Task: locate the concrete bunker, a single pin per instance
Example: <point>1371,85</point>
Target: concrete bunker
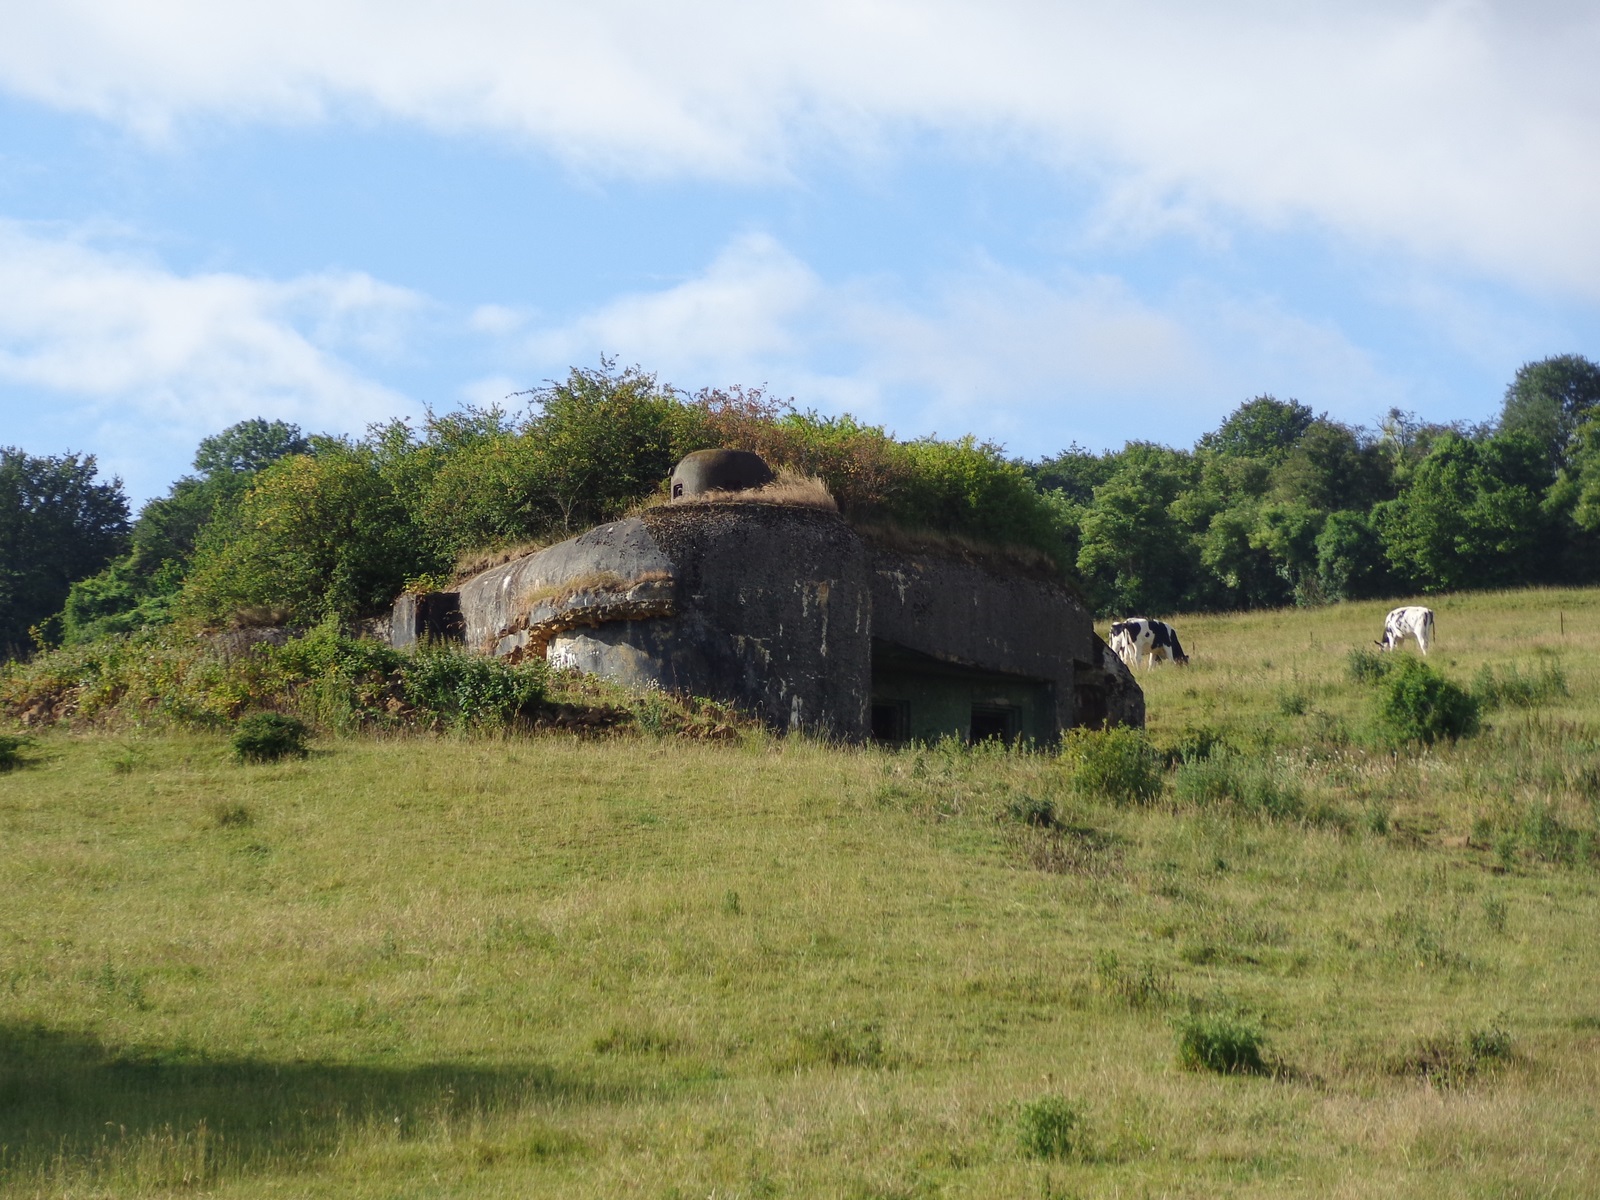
<point>787,612</point>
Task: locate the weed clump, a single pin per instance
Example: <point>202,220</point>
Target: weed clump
<point>839,1044</point>
<point>1246,785</point>
<point>268,736</point>
<point>1509,687</point>
<point>1450,1059</point>
<point>1221,1042</point>
<point>1030,810</point>
<point>1133,986</point>
<point>1116,764</point>
<point>1416,704</point>
<point>1050,1127</point>
<point>11,746</point>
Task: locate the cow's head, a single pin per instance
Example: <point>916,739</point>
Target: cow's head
<point>1118,627</point>
<point>1181,659</point>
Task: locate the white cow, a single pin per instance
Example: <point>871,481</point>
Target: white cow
<point>1140,636</point>
<point>1410,621</point>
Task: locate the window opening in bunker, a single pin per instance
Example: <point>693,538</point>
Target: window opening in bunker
<point>890,722</point>
<point>677,490</point>
<point>993,721</point>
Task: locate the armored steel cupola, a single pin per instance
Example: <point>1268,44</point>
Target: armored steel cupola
<point>719,471</point>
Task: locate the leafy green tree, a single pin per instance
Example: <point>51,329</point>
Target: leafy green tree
<point>316,535</point>
<point>1351,564</point>
<point>1471,516</point>
<point>1332,467</point>
<point>969,487</point>
<point>141,588</point>
<point>248,447</point>
<point>1075,472</point>
<point>1549,399</point>
<point>1134,555</point>
<point>1261,428</point>
<point>605,438</point>
<point>58,524</point>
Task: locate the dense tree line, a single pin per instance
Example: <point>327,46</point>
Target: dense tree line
<point>1278,505</point>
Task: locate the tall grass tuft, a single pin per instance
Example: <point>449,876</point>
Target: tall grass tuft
<point>1222,1042</point>
<point>1508,687</point>
<point>1247,785</point>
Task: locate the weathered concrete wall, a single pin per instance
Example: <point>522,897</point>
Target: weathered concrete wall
<point>617,565</point>
<point>776,608</point>
<point>763,605</point>
<point>971,614</point>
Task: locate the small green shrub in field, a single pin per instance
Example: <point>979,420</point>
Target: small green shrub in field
<point>1416,704</point>
<point>1221,1042</point>
<point>1509,687</point>
<point>470,689</point>
<point>1116,764</point>
<point>1232,781</point>
<point>267,737</point>
<point>1050,1127</point>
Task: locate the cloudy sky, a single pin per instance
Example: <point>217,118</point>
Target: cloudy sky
<point>1039,222</point>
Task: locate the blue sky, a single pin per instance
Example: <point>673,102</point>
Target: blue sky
<point>1040,223</point>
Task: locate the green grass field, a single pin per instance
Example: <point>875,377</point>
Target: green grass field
<point>548,967</point>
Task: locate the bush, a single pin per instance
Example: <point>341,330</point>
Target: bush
<point>469,689</point>
<point>1116,764</point>
<point>268,736</point>
<point>1221,1042</point>
<point>1230,780</point>
<point>1417,704</point>
<point>1050,1127</point>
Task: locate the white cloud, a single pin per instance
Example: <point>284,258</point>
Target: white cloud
<point>1466,129</point>
<point>1030,361</point>
<point>148,358</point>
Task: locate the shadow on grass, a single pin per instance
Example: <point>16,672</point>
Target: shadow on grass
<point>72,1108</point>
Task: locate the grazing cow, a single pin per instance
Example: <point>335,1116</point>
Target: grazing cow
<point>1411,621</point>
<point>1140,636</point>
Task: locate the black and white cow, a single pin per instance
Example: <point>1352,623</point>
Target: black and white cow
<point>1140,636</point>
<point>1410,621</point>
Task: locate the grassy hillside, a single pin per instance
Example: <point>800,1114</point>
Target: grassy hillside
<point>433,967</point>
